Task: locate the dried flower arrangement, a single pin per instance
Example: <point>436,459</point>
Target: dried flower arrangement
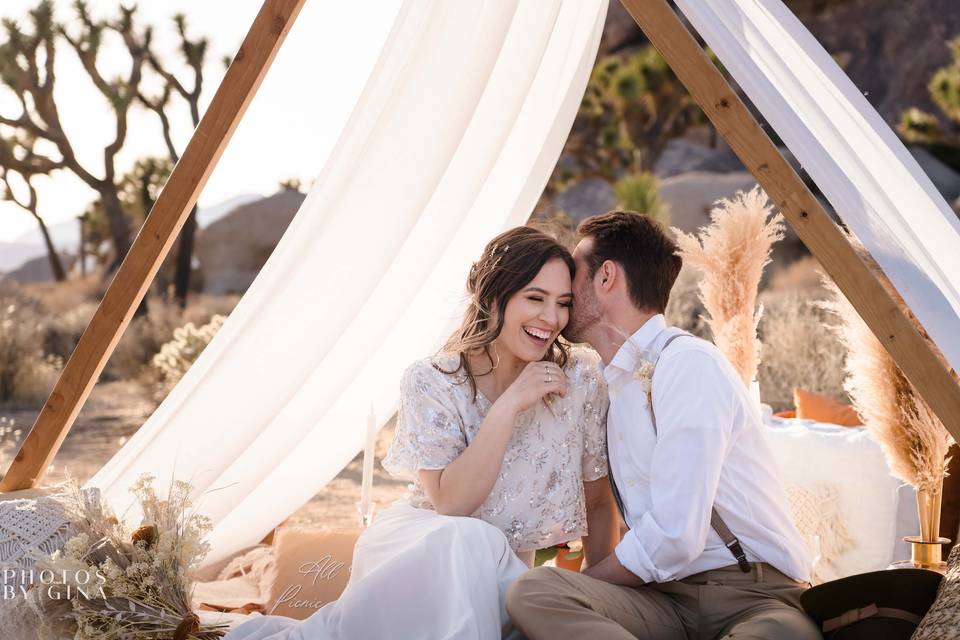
<point>732,252</point>
<point>141,589</point>
<point>913,439</point>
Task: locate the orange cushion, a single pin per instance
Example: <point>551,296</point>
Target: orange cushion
<point>786,414</point>
<point>815,406</point>
<point>311,569</point>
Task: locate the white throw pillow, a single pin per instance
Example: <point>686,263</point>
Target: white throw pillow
<point>846,459</point>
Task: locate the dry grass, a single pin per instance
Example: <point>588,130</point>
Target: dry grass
<point>913,439</point>
<point>732,252</point>
<point>147,334</point>
<point>799,342</point>
<point>27,371</point>
<point>46,321</point>
<point>800,347</point>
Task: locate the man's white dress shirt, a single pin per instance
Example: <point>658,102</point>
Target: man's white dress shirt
<point>708,450</point>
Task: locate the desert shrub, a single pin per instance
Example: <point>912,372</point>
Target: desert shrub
<point>640,192</point>
<point>800,347</point>
<point>176,356</point>
<point>27,372</point>
<point>65,296</point>
<point>146,335</point>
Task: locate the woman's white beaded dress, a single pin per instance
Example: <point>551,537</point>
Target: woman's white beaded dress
<point>419,574</point>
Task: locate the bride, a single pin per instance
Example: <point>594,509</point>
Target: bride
<point>502,435</point>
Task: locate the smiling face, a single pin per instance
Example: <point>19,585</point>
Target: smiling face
<point>535,315</point>
<point>586,311</point>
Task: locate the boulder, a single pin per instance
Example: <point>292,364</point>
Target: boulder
<point>586,198</point>
<point>232,250</point>
<point>691,195</point>
<point>945,179</point>
<point>681,155</point>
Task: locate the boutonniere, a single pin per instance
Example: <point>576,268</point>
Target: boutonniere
<point>644,375</point>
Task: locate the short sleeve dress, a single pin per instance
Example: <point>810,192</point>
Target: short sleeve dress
<point>537,500</point>
<point>427,575</point>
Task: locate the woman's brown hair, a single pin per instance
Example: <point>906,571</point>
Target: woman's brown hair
<point>509,262</point>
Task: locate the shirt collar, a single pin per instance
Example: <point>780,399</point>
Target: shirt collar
<point>630,351</point>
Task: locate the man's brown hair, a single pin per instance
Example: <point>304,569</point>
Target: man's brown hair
<point>639,245</point>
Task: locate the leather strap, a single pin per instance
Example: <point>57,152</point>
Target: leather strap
<point>848,618</point>
<point>726,535</point>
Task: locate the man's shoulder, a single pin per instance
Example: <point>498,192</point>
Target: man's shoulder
<point>688,352</point>
<point>687,343</point>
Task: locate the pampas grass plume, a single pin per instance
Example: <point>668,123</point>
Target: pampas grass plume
<point>732,252</point>
<point>913,439</point>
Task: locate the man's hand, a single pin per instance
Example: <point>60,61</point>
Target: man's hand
<point>610,570</point>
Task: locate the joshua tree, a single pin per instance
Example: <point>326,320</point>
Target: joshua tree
<point>940,132</point>
<point>632,107</point>
<point>137,190</point>
<point>193,52</point>
<point>18,163</point>
<point>27,62</point>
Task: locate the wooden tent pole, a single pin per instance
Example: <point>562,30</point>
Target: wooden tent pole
<point>152,244</point>
<point>813,225</point>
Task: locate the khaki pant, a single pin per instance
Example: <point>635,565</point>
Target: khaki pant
<point>551,604</point>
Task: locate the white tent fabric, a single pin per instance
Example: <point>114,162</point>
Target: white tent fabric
<point>452,141</point>
<point>859,164</point>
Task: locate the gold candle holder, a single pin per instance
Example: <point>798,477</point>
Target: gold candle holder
<point>366,512</point>
<point>926,550</point>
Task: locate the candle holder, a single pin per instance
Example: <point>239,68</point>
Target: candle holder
<point>366,512</point>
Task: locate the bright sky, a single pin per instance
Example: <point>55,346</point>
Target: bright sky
<point>287,131</point>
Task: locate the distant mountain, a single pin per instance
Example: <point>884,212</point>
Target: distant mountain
<point>207,215</point>
<point>66,235</point>
<point>38,269</point>
<point>14,254</point>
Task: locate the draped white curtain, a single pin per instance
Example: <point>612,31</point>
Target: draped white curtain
<point>859,164</point>
<point>452,141</point>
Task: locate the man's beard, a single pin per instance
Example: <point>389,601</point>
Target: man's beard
<point>586,313</point>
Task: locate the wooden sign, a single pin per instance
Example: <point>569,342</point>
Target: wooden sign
<point>311,569</point>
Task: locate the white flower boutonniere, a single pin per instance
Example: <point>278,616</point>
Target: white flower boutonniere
<point>644,375</point>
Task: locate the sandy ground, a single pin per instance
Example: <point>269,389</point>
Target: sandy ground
<point>114,412</point>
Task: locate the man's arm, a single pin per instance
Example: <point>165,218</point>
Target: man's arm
<point>603,521</point>
<point>693,395</point>
<point>610,570</point>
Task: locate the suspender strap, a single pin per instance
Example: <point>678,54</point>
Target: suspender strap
<point>726,535</point>
<point>730,540</point>
<point>613,483</point>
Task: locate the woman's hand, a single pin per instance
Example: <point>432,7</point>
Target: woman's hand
<point>537,380</point>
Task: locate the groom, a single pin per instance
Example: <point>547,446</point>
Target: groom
<point>711,550</point>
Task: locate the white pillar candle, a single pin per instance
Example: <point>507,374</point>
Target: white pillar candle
<point>369,451</point>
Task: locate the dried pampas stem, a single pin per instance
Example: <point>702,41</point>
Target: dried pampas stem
<point>913,439</point>
<point>732,252</point>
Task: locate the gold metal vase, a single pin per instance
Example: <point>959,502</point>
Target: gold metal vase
<point>926,550</point>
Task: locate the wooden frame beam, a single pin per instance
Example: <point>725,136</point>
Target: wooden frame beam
<point>152,244</point>
<point>813,225</point>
